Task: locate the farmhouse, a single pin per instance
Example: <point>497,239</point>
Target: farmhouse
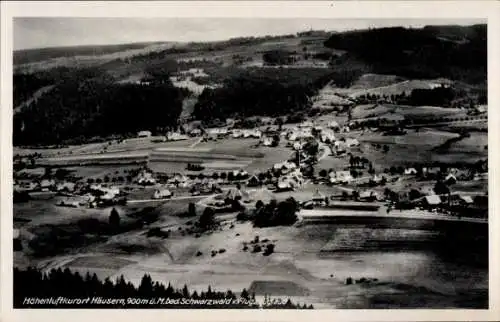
<point>411,171</point>
<point>253,181</point>
<point>327,136</point>
<point>161,194</point>
<point>175,136</point>
<point>145,178</point>
<point>340,177</point>
<point>351,142</point>
<point>66,186</point>
<point>218,132</point>
<point>195,132</point>
<point>267,141</point>
<point>46,184</point>
<point>377,178</point>
<point>298,145</point>
<point>431,201</point>
<point>340,146</point>
<point>480,109</point>
<point>285,167</point>
<point>450,179</point>
<point>144,134</point>
<point>334,125</point>
<point>369,195</point>
<point>306,124</point>
<point>318,197</point>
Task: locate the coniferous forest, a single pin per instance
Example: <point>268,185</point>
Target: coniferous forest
<point>65,287</point>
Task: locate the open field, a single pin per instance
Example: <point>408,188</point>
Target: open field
<point>298,259</point>
<point>392,88</point>
<point>408,112</point>
<point>367,81</point>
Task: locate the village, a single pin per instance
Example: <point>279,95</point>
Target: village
<point>420,186</point>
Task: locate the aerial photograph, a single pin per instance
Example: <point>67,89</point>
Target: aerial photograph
<point>236,163</point>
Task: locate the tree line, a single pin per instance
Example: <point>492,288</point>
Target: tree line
<point>79,110</point>
<point>418,53</point>
<point>34,283</point>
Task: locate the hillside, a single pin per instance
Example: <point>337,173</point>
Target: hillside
<point>25,56</point>
<point>241,77</point>
<point>459,53</point>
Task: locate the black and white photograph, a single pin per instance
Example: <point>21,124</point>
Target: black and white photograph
<point>249,163</point>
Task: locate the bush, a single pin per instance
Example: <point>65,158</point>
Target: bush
<point>114,218</point>
<point>222,250</point>
<point>269,250</point>
<point>198,253</point>
<point>257,249</point>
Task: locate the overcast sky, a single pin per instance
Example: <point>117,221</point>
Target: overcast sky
<point>51,32</point>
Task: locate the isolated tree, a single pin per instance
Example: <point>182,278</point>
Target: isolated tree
<point>114,218</point>
<point>146,286</point>
<point>259,204</point>
<point>414,194</point>
<point>440,188</point>
<point>323,173</point>
<point>207,218</point>
<point>192,209</point>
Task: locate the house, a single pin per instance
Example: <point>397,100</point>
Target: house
<point>306,124</point>
<point>369,195</point>
<point>267,141</point>
<point>174,136</point>
<point>327,136</point>
<point>457,200</point>
<point>178,178</point>
<point>46,184</point>
<point>334,125</point>
<point>298,145</point>
<point>431,172</point>
<point>480,109</point>
<point>318,196</point>
<point>145,178</point>
<point>66,186</point>
<point>431,201</point>
<point>144,134</point>
<point>340,177</point>
<point>340,146</point>
<point>195,132</point>
<point>411,171</point>
<point>285,167</point>
<point>162,194</point>
<point>263,195</point>
<point>351,142</point>
<point>480,176</point>
<point>236,134</point>
<point>234,194</point>
<point>217,132</point>
<point>253,181</point>
<point>450,179</point>
<point>230,122</point>
<point>377,178</point>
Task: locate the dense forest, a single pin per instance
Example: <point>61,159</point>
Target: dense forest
<point>33,55</point>
<point>419,53</point>
<point>84,109</point>
<point>33,283</point>
<point>269,92</point>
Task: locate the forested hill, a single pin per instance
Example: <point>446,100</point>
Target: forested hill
<point>38,54</point>
<point>435,51</point>
<point>243,77</point>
